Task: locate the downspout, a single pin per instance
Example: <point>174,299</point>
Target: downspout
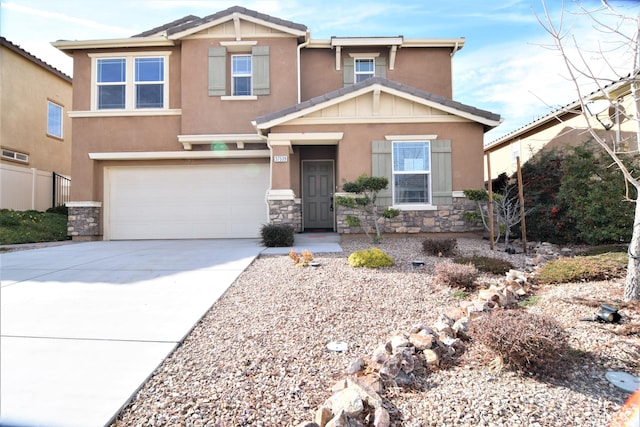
<point>453,52</point>
<point>306,42</point>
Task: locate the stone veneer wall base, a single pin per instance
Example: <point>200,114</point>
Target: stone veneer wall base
<point>446,219</point>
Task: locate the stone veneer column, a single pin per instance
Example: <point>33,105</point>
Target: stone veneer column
<point>83,221</point>
<point>285,209</point>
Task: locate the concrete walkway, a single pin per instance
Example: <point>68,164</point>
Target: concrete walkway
<point>84,325</point>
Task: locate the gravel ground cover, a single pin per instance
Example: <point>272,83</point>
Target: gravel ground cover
<point>259,356</point>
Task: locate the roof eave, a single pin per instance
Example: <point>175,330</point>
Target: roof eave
<point>71,45</point>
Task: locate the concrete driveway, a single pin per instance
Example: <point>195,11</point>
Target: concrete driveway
<point>84,325</point>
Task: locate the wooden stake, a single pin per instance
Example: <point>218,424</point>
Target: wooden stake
<point>523,224</point>
<point>490,201</point>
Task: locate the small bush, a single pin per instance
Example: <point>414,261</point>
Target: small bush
<point>583,268</point>
<point>456,275</point>
<point>530,343</point>
<point>440,247</point>
<point>60,209</point>
<point>277,235</point>
<point>370,258</point>
<point>486,264</point>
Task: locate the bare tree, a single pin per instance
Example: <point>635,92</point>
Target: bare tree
<point>577,59</point>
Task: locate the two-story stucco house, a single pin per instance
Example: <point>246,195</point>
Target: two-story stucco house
<point>211,127</point>
<point>35,131</point>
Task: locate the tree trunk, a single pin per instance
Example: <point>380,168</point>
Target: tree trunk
<point>632,282</point>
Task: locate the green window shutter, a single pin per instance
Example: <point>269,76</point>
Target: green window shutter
<point>381,166</point>
<point>217,71</point>
<point>381,67</point>
<point>260,65</point>
<point>441,173</point>
<point>348,71</point>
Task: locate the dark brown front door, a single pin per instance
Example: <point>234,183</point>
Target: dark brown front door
<point>317,194</point>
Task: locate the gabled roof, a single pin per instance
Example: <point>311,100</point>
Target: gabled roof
<point>488,119</point>
<point>17,49</point>
<point>192,22</point>
<point>611,90</point>
<point>167,34</point>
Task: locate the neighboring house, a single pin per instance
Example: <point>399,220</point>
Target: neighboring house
<point>567,126</point>
<point>35,132</point>
<point>211,127</point>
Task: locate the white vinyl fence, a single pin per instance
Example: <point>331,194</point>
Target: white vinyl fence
<point>24,188</point>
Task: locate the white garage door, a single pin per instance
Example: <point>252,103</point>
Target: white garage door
<point>185,202</point>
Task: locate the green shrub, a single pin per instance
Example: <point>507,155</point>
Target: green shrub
<point>370,258</point>
<point>583,268</point>
<point>440,246</point>
<point>277,235</point>
<point>530,343</point>
<point>595,197</point>
<point>486,264</point>
<point>31,226</point>
<point>60,210</point>
<point>456,275</point>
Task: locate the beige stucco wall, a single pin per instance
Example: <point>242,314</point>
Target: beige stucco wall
<point>25,89</point>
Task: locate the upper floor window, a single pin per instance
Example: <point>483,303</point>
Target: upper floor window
<point>130,82</point>
<point>364,69</point>
<point>54,119</point>
<point>358,67</point>
<point>411,172</point>
<point>241,73</point>
<point>249,67</point>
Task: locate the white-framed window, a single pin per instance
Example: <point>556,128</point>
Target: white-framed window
<point>54,119</point>
<point>15,155</point>
<point>364,68</point>
<point>132,81</point>
<point>411,172</point>
<point>241,73</point>
<point>515,151</point>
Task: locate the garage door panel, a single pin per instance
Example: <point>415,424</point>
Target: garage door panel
<point>186,202</point>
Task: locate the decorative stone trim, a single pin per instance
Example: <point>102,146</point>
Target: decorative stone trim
<point>444,219</point>
<point>286,212</point>
<point>83,221</point>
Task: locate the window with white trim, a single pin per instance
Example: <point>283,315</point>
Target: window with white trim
<point>411,172</point>
<point>515,152</point>
<point>241,73</point>
<point>364,68</point>
<point>15,155</point>
<point>54,119</point>
<point>130,82</point>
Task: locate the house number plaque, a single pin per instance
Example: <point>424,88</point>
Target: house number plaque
<point>280,159</point>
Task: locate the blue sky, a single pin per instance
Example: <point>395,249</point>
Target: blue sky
<point>504,66</point>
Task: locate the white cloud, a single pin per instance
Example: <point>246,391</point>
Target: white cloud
<point>522,81</point>
<point>60,17</point>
